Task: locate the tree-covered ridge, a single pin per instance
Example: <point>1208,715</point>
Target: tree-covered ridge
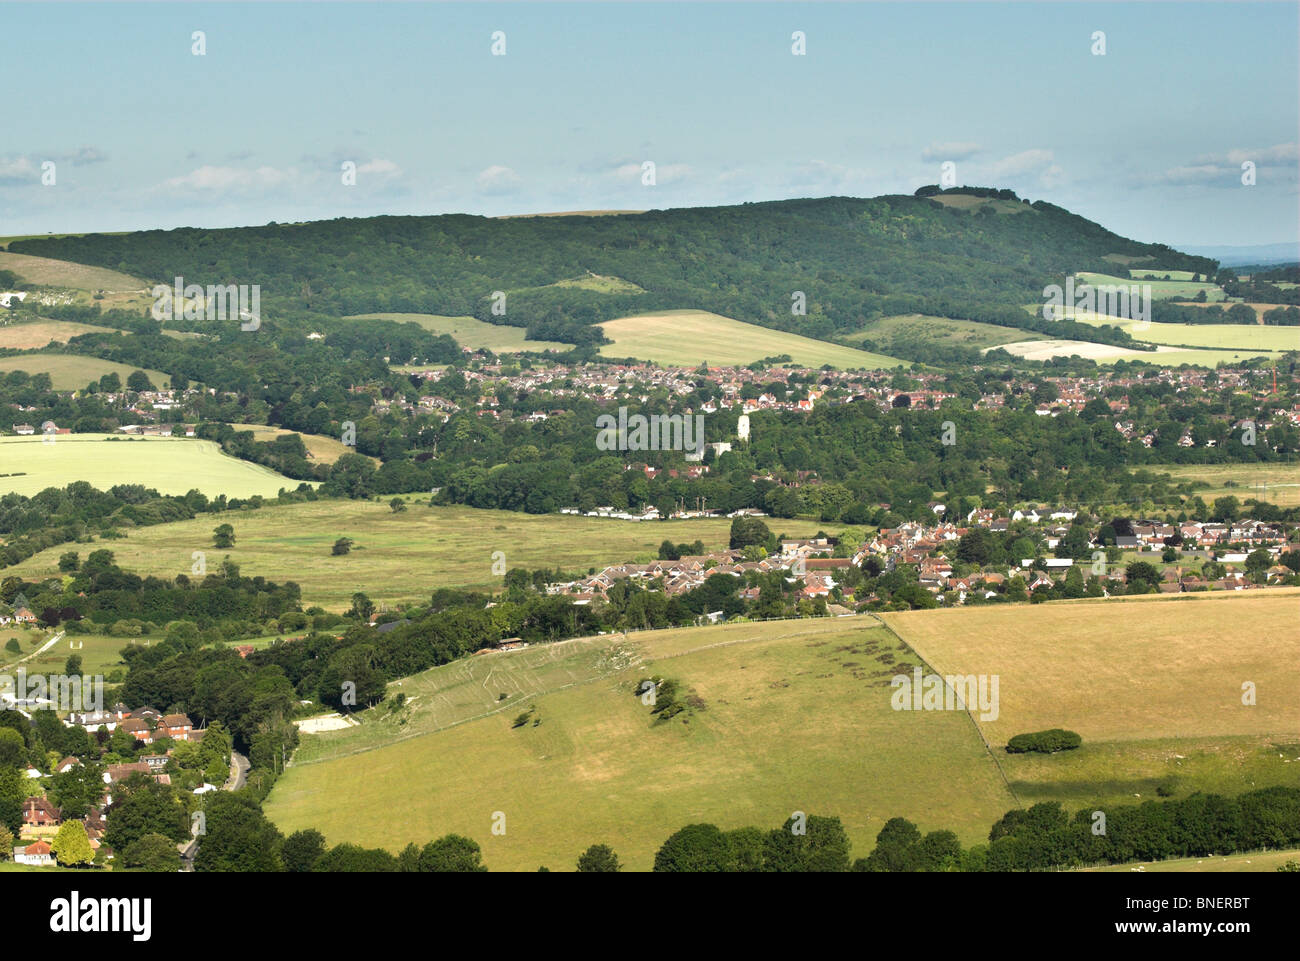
<point>855,259</point>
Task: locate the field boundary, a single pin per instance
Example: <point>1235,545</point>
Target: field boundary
<point>966,710</point>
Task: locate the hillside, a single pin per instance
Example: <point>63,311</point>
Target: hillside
<point>852,259</point>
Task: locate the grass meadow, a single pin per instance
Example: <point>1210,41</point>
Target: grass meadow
<point>397,557</point>
<point>171,465</point>
<point>789,716</point>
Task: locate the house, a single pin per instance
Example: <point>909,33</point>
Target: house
<point>38,854</point>
<point>139,729</point>
<point>38,812</point>
<point>175,726</point>
<point>67,764</point>
<point>155,762</point>
<point>24,616</point>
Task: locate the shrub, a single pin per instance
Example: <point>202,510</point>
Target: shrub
<point>1044,742</point>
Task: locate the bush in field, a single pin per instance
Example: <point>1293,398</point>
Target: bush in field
<point>1044,742</point>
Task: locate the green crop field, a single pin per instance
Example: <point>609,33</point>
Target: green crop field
<point>688,338</point>
<point>73,371</point>
<point>934,330</point>
<point>398,557</point>
<point>171,465</point>
<point>1160,289</point>
<point>473,333</point>
<point>789,716</point>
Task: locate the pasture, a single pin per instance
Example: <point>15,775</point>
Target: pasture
<point>934,330</point>
<point>789,716</point>
<point>73,371</point>
<point>688,338</point>
<point>396,557</point>
<point>1218,864</point>
<point>171,465</point>
<point>1276,483</point>
<point>324,450</point>
<point>1160,289</point>
<point>472,333</point>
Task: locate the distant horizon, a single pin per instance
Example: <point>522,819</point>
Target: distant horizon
<point>1191,248</point>
<point>1147,138</point>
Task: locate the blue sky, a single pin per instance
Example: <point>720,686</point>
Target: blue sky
<point>1148,139</point>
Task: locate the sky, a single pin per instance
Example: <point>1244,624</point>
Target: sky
<point>1148,139</point>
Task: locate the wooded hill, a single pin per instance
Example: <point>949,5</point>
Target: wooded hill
<point>854,259</point>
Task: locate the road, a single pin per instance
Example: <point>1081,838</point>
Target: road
<point>238,772</point>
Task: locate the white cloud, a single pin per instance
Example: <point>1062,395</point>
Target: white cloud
<point>210,177</point>
<point>950,151</point>
<point>16,170</point>
<point>1026,162</point>
<point>379,167</point>
<point>497,179</point>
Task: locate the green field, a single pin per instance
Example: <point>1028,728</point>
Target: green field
<point>791,716</point>
<point>935,330</point>
<point>1276,483</point>
<point>73,371</point>
<point>1137,273</point>
<point>472,333</point>
<point>1233,863</point>
<point>171,465</point>
<point>1252,338</point>
<point>1160,289</point>
<point>600,284</point>
<point>397,557</point>
<point>687,338</point>
<point>1103,354</point>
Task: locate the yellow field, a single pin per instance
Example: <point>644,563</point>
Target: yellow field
<point>44,332</point>
<point>64,273</point>
<point>73,371</point>
<point>688,338</point>
<point>1140,668</point>
<point>1107,354</point>
<point>472,333</point>
<point>324,450</point>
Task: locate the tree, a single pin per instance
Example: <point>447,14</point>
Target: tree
<point>696,847</point>
<point>822,846</point>
<point>69,562</point>
<point>599,858</point>
<point>239,837</point>
<point>342,546</point>
<point>72,666</point>
<point>397,504</point>
<point>452,853</point>
<point>71,846</point>
<point>142,806</point>
<point>302,849</point>
<point>6,843</point>
<point>362,606</point>
<point>13,750</point>
<point>153,852</point>
<point>223,536</point>
<point>138,381</point>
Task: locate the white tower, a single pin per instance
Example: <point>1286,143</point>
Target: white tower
<point>742,427</point>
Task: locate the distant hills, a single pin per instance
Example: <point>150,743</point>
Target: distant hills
<point>1253,254</point>
<point>821,268</point>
